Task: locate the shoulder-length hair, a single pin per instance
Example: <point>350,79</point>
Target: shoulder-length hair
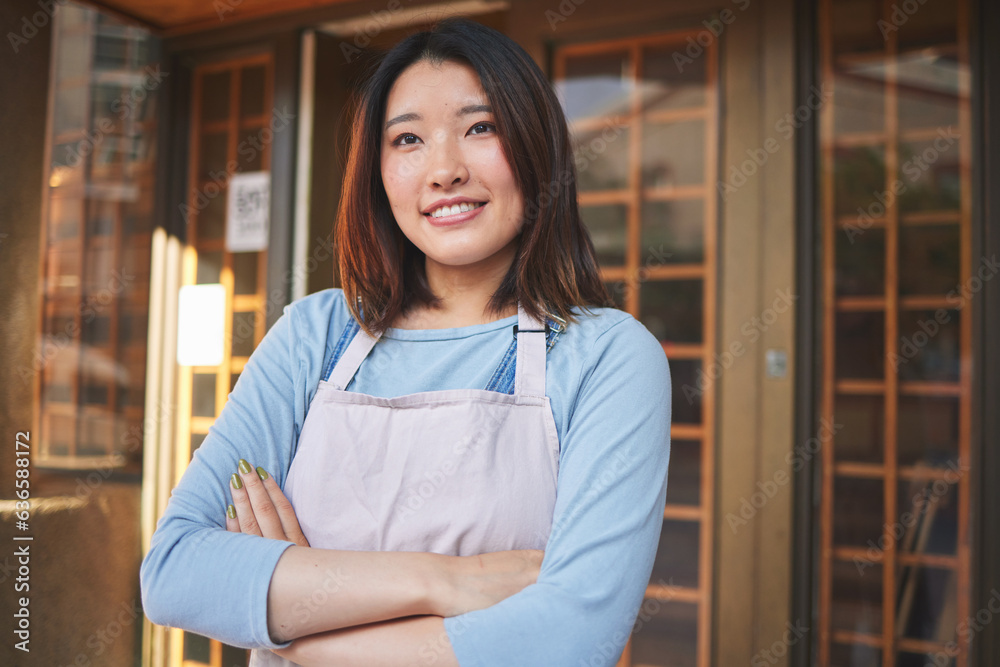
<point>554,268</point>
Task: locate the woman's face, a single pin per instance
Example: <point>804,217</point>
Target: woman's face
<point>450,187</point>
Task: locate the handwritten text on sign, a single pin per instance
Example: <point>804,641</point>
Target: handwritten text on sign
<point>247,212</point>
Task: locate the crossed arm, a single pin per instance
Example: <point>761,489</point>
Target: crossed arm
<point>366,608</point>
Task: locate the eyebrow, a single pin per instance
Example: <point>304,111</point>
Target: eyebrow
<point>464,111</point>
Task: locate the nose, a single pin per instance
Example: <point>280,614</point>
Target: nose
<point>446,166</point>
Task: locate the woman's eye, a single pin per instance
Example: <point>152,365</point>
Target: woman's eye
<point>405,140</point>
<point>481,128</point>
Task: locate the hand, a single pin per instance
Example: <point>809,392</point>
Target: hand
<point>477,582</point>
<point>260,508</point>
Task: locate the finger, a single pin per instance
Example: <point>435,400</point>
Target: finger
<point>286,514</point>
<point>241,502</point>
<point>232,523</point>
<point>264,512</point>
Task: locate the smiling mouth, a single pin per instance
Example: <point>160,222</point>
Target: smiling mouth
<point>464,207</point>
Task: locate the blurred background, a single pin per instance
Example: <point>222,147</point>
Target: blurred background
<point>797,199</point>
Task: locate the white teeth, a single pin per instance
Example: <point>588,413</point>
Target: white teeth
<point>453,210</point>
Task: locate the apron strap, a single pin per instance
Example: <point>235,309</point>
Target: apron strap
<point>529,369</point>
<point>349,363</point>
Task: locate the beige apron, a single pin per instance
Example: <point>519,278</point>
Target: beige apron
<point>457,472</point>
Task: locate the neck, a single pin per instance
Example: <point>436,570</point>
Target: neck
<point>465,292</point>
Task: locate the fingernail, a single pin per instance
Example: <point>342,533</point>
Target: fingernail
<point>237,482</point>
<point>244,466</point>
<point>231,512</point>
<point>262,473</point>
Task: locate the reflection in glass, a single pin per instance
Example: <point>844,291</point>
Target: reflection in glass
<point>929,260</point>
<point>861,435</point>
<point>684,476</point>
<point>928,513</point>
<point>860,258</point>
<point>860,352</point>
<point>857,511</point>
<point>673,232</point>
<point>673,154</point>
<point>857,597</point>
<point>928,430</point>
<point>929,96</point>
<point>666,85</point>
<point>688,386</point>
<point>672,310</point>
<point>665,634</point>
<point>859,105</point>
<point>595,85</point>
<point>606,225</point>
<point>929,345</point>
<point>677,562</point>
<point>859,181</point>
<point>930,172</point>
<point>924,594</point>
<point>602,159</point>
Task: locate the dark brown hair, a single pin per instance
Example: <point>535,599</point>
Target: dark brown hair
<point>555,267</point>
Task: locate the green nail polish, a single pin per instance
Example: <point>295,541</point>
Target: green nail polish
<point>244,466</point>
<point>237,482</point>
<point>261,473</point>
<point>231,511</point>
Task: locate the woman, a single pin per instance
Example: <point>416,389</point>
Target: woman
<point>415,502</point>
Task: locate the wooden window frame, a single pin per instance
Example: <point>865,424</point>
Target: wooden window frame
<point>633,195</point>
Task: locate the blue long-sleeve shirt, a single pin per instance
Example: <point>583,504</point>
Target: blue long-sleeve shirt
<point>608,384</point>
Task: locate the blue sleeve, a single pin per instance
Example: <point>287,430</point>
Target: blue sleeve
<point>196,575</point>
<point>610,494</point>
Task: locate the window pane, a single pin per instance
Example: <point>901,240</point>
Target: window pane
<point>669,83</point>
<point>677,557</point>
<point>665,634</point>
<point>860,345</point>
<point>597,85</point>
<point>673,232</point>
<point>606,225</point>
<point>673,154</point>
<point>672,310</point>
<point>684,484</point>
<point>861,435</point>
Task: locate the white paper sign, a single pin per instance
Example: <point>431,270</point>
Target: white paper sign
<point>247,211</point>
<point>201,325</point>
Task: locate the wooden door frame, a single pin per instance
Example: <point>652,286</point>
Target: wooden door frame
<point>179,59</point>
<point>985,104</point>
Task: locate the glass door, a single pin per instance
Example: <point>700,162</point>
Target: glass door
<point>898,281</point>
<point>231,132</point>
<point>644,127</point>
